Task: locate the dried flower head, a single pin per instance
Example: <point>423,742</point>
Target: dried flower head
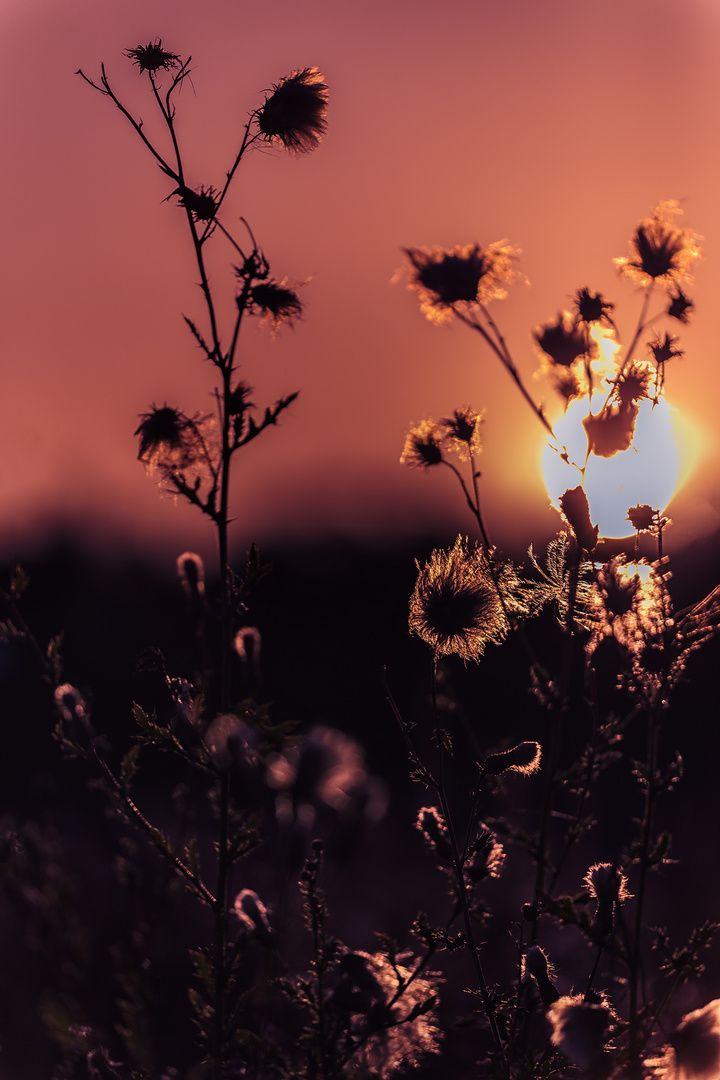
<point>450,281</point>
<point>580,1030</point>
<point>642,517</point>
<point>629,601</point>
<point>635,383</point>
<point>275,303</point>
<point>563,340</point>
<point>680,307</point>
<point>593,307</point>
<point>326,769</point>
<point>170,441</point>
<point>455,606</point>
<point>462,432</point>
<point>423,445</point>
<point>153,57</point>
<point>660,252</point>
<point>295,113</point>
<point>663,349</point>
<point>570,383</point>
<point>693,1052</point>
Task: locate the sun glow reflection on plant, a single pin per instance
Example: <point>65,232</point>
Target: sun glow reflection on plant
<point>646,473</point>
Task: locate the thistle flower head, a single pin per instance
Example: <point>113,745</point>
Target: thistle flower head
<point>693,1052</point>
<point>663,349</point>
<point>455,606</point>
<point>326,768</point>
<point>563,340</point>
<point>295,113</point>
<point>634,383</point>
<point>680,307</point>
<point>660,252</point>
<point>423,445</point>
<point>275,303</point>
<point>153,57</point>
<point>580,1029</point>
<point>450,281</point>
<point>202,204</point>
<point>170,441</point>
<point>462,432</point>
<point>593,307</point>
<point>642,517</point>
<point>631,603</point>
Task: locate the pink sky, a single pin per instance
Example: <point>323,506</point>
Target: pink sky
<point>554,124</point>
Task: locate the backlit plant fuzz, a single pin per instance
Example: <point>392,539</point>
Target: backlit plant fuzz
<point>454,281</point>
<point>462,432</point>
<point>170,441</point>
<point>295,113</point>
<point>275,303</point>
<point>455,606</point>
<point>660,252</point>
<point>423,445</point>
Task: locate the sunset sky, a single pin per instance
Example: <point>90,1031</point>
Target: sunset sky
<point>553,123</point>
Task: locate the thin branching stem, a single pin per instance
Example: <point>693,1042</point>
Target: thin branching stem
<point>458,866</point>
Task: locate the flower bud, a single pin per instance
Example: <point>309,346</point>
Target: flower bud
<point>608,886</point>
<point>253,915</point>
<point>535,964</point>
<point>523,758</point>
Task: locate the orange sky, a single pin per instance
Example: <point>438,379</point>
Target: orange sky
<point>556,124</point>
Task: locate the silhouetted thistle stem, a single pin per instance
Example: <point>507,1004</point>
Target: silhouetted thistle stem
<point>503,355</point>
<point>646,830</point>
<point>558,711</point>
<point>458,867</point>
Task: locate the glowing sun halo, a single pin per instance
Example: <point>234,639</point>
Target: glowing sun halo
<point>645,473</point>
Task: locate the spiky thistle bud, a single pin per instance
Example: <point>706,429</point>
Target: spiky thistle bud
<point>523,758</point>
<point>535,965</point>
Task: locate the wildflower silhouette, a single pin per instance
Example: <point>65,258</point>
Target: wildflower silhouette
<point>192,454</point>
<point>295,113</point>
<point>660,252</point>
<point>455,607</point>
<point>618,614</point>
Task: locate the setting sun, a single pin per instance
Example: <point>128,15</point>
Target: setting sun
<point>646,472</point>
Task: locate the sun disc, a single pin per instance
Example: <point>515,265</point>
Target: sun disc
<point>645,473</point>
